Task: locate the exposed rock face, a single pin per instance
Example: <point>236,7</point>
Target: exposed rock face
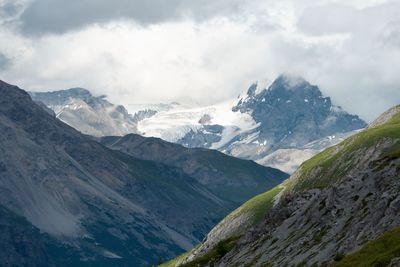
<point>229,178</point>
<point>335,203</point>
<point>89,114</point>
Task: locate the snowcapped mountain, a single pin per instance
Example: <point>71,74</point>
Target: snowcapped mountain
<point>90,114</point>
<point>279,126</point>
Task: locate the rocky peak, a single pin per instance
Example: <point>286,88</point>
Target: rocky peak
<point>252,89</point>
<point>293,112</point>
<point>290,81</point>
<point>62,96</point>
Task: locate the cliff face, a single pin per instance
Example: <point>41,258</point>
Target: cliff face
<point>331,207</point>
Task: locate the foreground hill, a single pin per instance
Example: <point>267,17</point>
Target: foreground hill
<point>67,200</point>
<point>341,207</point>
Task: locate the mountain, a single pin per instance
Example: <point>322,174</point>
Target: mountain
<point>279,126</point>
<point>292,113</point>
<point>67,200</point>
<point>229,178</point>
<point>340,208</point>
<point>92,115</point>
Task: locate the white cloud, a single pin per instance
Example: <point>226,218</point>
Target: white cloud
<point>350,48</point>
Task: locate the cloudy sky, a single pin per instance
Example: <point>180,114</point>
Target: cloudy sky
<point>201,52</point>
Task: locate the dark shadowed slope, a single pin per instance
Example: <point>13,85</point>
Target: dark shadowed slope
<point>230,178</point>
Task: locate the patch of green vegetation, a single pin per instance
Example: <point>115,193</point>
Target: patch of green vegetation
<point>258,206</point>
<point>326,169</point>
<point>176,261</point>
<point>378,252</point>
<point>339,256</point>
<point>220,250</point>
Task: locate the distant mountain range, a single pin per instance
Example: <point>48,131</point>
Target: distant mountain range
<point>279,126</point>
<point>68,200</point>
<point>340,208</point>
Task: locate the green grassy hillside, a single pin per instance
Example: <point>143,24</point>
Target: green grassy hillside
<point>325,168</point>
<point>378,252</point>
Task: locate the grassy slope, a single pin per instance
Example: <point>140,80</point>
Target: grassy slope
<point>174,262</point>
<point>378,252</point>
<point>222,248</point>
<point>321,164</point>
<point>257,207</point>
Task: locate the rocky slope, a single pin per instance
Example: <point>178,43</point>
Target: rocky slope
<point>324,214</point>
<point>84,204</point>
<point>89,114</point>
<point>21,244</point>
<point>230,178</point>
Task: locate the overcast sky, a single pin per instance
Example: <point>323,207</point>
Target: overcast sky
<point>204,51</point>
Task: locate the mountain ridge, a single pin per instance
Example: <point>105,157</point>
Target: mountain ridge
<point>244,179</point>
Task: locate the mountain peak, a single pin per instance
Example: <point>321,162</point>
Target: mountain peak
<point>252,89</point>
<point>294,84</point>
<point>290,80</point>
<point>293,112</point>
